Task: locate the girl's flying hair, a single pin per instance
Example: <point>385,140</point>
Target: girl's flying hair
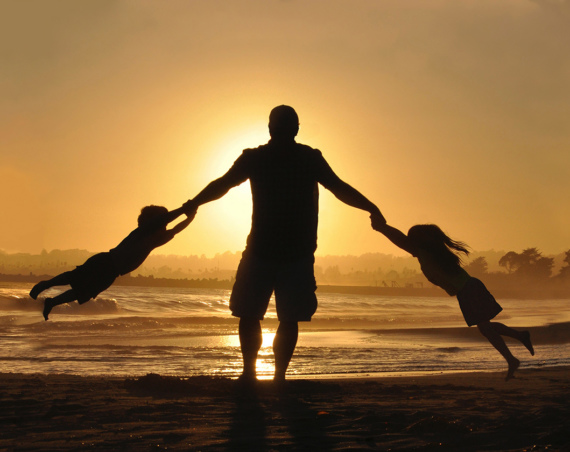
<point>432,239</point>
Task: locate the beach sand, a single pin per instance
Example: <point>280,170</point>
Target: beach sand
<point>472,411</point>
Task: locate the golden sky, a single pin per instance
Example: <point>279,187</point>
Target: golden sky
<point>442,111</point>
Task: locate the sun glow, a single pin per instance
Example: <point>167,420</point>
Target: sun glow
<point>224,152</point>
<point>229,219</point>
<point>268,338</point>
<point>266,359</point>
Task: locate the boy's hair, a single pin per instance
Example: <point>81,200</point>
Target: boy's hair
<point>432,239</point>
<point>149,214</point>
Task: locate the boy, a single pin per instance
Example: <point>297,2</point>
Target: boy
<point>100,270</point>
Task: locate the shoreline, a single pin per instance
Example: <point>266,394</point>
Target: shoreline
<point>468,411</point>
<point>518,292</point>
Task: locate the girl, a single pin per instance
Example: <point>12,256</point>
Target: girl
<point>439,260</point>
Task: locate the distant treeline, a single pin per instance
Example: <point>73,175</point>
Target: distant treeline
<point>527,274</point>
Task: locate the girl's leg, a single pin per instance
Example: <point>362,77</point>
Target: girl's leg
<point>65,297</point>
<point>488,330</point>
<point>522,336</point>
<point>59,280</point>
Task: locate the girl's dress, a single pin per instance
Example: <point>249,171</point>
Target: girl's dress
<point>476,302</point>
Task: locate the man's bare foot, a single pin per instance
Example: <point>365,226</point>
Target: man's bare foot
<point>526,342</point>
<point>37,289</point>
<point>280,384</point>
<point>247,379</point>
<point>513,366</point>
<point>48,306</point>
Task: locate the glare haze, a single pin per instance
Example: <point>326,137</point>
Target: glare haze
<point>441,111</point>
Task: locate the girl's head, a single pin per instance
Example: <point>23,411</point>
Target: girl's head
<point>432,239</point>
<point>150,215</point>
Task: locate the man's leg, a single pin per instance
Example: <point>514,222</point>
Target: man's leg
<point>284,346</point>
<point>250,339</point>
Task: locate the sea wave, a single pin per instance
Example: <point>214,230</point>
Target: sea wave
<point>27,304</point>
<point>554,333</point>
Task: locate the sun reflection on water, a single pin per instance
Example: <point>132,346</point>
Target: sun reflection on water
<point>265,360</point>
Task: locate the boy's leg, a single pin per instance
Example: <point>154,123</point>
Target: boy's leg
<point>488,330</point>
<point>522,336</point>
<point>250,339</point>
<point>59,280</point>
<point>65,297</point>
<point>283,347</point>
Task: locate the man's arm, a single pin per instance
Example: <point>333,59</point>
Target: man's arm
<point>346,193</point>
<point>351,196</point>
<point>215,190</point>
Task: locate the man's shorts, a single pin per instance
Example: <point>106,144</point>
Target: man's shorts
<point>292,281</point>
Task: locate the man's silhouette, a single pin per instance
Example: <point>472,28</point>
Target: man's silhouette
<point>279,256</point>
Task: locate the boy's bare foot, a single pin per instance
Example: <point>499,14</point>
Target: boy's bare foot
<point>36,290</point>
<point>513,366</point>
<point>48,306</point>
<point>527,343</point>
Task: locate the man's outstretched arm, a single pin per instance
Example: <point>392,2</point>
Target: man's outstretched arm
<point>350,195</point>
<point>214,190</point>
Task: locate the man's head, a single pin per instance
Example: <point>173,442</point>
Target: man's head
<point>283,122</point>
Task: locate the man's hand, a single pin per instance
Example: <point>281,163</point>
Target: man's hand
<point>378,221</point>
<point>190,208</point>
<point>190,215</point>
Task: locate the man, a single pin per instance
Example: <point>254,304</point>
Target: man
<point>279,256</point>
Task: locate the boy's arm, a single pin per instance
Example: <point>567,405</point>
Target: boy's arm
<point>181,226</point>
<point>168,235</point>
<point>396,236</point>
<point>174,214</point>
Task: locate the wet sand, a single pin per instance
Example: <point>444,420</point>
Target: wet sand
<point>471,411</point>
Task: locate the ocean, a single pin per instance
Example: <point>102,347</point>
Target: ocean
<point>134,331</point>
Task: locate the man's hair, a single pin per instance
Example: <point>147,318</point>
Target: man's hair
<point>283,122</point>
<point>149,214</point>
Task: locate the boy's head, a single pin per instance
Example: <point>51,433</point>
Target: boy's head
<point>149,214</point>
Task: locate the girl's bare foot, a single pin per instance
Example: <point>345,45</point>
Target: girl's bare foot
<point>526,342</point>
<point>513,366</point>
<point>48,306</point>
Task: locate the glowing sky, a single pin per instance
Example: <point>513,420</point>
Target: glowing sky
<point>445,111</point>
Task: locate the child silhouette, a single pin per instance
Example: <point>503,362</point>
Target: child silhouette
<point>439,260</point>
<point>100,270</point>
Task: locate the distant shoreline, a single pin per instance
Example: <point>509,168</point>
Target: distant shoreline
<point>533,292</point>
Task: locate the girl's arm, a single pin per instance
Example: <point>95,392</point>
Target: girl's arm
<point>396,236</point>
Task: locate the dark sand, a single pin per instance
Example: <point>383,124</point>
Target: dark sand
<point>463,412</point>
